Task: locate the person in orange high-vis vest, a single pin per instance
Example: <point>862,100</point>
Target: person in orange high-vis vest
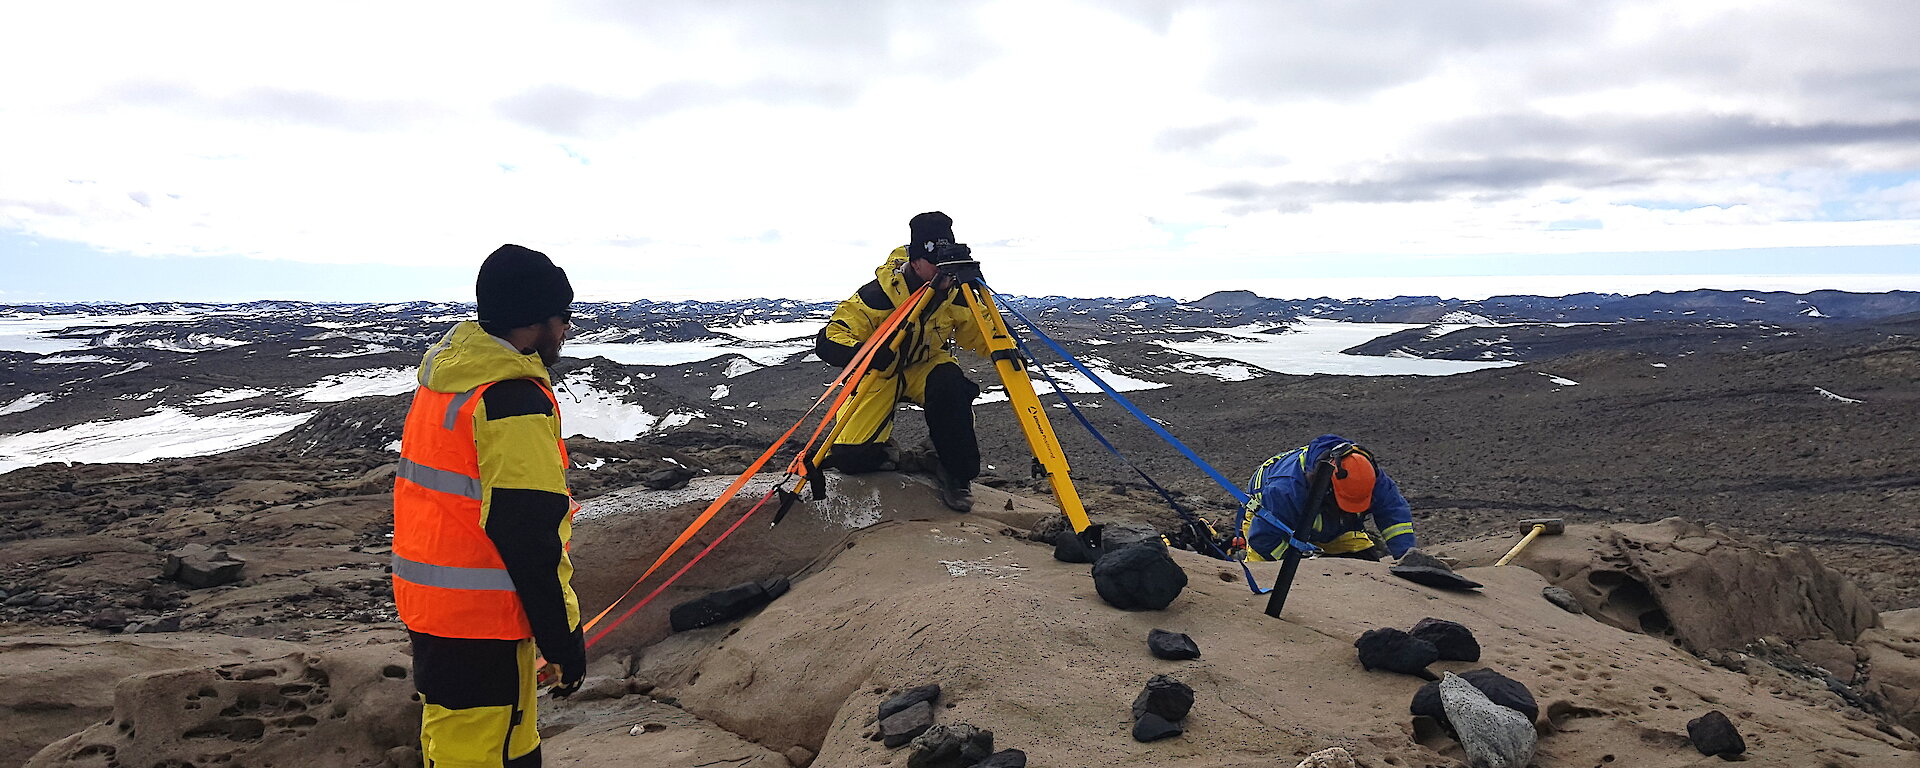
<point>481,520</point>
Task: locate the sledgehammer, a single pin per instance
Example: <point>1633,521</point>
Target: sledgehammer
<point>1551,526</point>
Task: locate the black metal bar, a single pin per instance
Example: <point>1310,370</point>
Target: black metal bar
<point>1282,584</point>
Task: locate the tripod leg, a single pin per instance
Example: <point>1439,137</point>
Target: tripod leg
<point>1282,584</point>
<point>1027,408</point>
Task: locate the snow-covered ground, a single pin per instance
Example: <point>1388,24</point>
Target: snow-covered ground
<point>362,383</point>
<point>678,352</point>
<point>587,411</point>
<point>1314,347</point>
<point>166,433</point>
<point>781,331</point>
<point>30,332</point>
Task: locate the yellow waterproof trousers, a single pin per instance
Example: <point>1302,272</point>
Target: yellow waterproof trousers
<point>480,702</point>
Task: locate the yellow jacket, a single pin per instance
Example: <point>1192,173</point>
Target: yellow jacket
<point>925,337</point>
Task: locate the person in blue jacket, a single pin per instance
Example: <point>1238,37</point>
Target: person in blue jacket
<point>1324,492</point>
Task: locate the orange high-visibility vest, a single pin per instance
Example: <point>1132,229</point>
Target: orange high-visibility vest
<point>448,578</point>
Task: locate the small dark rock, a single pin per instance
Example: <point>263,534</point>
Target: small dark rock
<point>1415,558</point>
<point>168,624</point>
<point>199,566</point>
<point>1006,758</point>
<point>111,619</point>
<point>1164,696</point>
<point>1047,528</point>
<point>1152,727</point>
<point>720,607</point>
<point>1070,547</point>
<point>1139,577</point>
<point>907,698</point>
<point>24,598</point>
<point>1713,734</point>
<point>667,479</point>
<point>45,601</point>
<point>1172,646</point>
<point>1502,690</point>
<point>1454,641</point>
<point>1115,536</point>
<point>1396,651</point>
<point>776,586</point>
<point>951,746</point>
<point>1564,599</point>
<point>1444,578</point>
<point>906,724</point>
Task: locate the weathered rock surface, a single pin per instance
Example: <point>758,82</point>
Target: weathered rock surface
<point>951,746</point>
<point>1331,757</point>
<point>1498,688</point>
<point>1493,736</point>
<point>905,725</point>
<point>929,693</point>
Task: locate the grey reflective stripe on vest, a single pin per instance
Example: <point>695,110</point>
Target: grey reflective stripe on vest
<point>453,408</point>
<point>452,577</point>
<point>439,479</point>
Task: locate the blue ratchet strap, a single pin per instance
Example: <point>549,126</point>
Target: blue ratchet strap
<point>1178,508</point>
<point>1232,490</point>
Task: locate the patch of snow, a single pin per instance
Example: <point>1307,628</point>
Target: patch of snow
<point>1463,317</point>
<point>679,352</point>
<point>75,360</point>
<point>34,333</point>
<point>591,465</point>
<point>1659,365</point>
<point>370,349</point>
<point>1314,347</point>
<point>393,447</point>
<point>370,382</point>
<point>680,419</point>
<point>128,369</point>
<point>196,342</point>
<point>227,396</point>
<point>739,366</point>
<point>1812,311</point>
<point>26,403</point>
<point>167,433</point>
<point>1834,397</point>
<point>1752,300</point>
<point>1564,382</point>
<point>1218,370</point>
<point>782,331</point>
<point>600,414</point>
<point>720,391</point>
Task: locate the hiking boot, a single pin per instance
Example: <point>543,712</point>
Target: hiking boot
<point>957,496</point>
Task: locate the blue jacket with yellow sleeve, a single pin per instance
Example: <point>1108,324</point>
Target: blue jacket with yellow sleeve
<point>1281,491</point>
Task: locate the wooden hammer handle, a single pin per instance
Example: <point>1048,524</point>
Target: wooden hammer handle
<point>1515,552</point>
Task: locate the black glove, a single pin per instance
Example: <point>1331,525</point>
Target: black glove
<point>571,655</point>
<point>882,359</point>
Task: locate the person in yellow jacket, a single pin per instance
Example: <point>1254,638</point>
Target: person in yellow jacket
<point>917,365</point>
<point>481,520</point>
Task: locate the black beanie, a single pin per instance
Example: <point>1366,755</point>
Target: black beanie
<point>519,287</point>
<point>926,228</point>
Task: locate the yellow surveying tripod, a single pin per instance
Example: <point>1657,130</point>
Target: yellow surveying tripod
<point>957,266</point>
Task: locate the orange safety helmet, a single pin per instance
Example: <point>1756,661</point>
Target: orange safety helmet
<point>1353,478</point>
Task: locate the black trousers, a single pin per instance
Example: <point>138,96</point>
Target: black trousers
<point>946,395</point>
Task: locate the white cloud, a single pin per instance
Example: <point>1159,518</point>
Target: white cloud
<point>644,144</point>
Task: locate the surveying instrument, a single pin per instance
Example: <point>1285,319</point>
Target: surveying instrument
<point>957,271</point>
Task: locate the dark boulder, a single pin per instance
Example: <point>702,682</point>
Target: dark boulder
<point>1713,734</point>
<point>1164,696</point>
<point>671,478</point>
<point>906,724</point>
<point>199,566</point>
<point>1141,577</point>
<point>1443,578</point>
<point>1499,688</point>
<point>1117,536</point>
<point>1172,646</point>
<point>1070,547</point>
<point>1153,727</point>
<point>928,693</point>
<point>1396,651</point>
<point>725,605</point>
<point>1006,758</point>
<point>1454,641</point>
<point>951,746</point>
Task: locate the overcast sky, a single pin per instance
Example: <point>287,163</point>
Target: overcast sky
<point>733,148</point>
